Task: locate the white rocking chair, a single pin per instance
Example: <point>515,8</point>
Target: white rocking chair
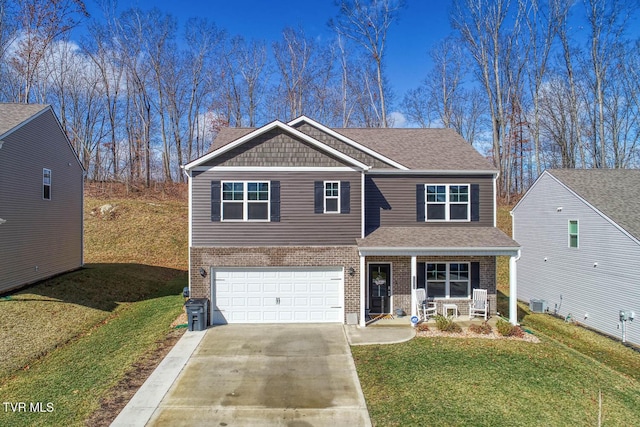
<point>479,306</point>
<point>424,308</point>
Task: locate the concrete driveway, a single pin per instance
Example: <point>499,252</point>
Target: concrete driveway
<point>267,375</point>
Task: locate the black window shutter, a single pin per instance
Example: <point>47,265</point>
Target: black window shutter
<point>475,202</point>
<point>420,276</point>
<point>215,201</point>
<point>420,214</point>
<point>475,275</point>
<point>275,201</point>
<point>345,197</point>
<point>318,187</point>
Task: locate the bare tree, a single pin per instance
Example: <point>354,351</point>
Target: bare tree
<point>542,19</point>
<point>481,25</point>
<point>607,22</point>
<point>367,23</point>
<point>107,59</point>
<point>131,31</point>
<point>203,40</point>
<point>41,23</point>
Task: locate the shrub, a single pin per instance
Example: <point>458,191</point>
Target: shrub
<point>506,329</point>
<point>484,328</point>
<point>446,324</point>
<point>422,327</point>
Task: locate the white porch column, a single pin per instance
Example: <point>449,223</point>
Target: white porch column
<point>414,283</point>
<point>513,289</point>
<point>363,296</point>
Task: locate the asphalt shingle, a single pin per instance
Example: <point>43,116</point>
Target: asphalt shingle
<point>454,237</point>
<point>12,115</point>
<point>614,192</point>
<point>430,149</point>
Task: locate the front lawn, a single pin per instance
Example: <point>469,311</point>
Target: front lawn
<point>477,382</point>
<point>66,342</point>
<point>72,379</point>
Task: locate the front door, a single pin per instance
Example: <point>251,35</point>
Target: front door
<point>379,288</point>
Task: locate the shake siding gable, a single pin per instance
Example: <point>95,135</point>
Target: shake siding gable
<point>40,238</point>
<point>275,148</point>
<point>341,146</point>
<point>298,224</point>
<point>600,277</point>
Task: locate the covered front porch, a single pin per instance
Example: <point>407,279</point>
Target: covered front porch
<point>448,262</point>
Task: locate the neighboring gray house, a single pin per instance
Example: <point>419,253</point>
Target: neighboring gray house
<point>297,222</point>
<point>41,197</point>
<point>580,237</point>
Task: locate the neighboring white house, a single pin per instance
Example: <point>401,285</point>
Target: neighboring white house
<point>580,237</point>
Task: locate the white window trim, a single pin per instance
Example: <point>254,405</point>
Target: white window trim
<point>447,288</point>
<point>45,184</point>
<point>245,201</point>
<point>325,197</point>
<point>447,204</point>
<point>569,233</point>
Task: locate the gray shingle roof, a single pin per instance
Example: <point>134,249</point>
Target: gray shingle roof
<point>417,149</point>
<point>614,192</point>
<point>12,115</point>
<point>455,237</point>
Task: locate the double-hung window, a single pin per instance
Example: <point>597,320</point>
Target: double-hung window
<point>448,280</point>
<point>332,196</point>
<point>46,184</point>
<point>573,233</point>
<point>245,201</point>
<point>447,202</point>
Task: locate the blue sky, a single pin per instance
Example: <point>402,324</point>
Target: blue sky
<point>421,24</point>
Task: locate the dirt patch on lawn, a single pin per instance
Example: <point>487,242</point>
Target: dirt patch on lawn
<point>119,395</point>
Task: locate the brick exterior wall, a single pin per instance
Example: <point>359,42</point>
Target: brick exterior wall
<point>401,279</point>
<point>277,256</point>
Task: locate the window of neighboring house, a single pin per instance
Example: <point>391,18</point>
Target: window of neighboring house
<point>448,280</point>
<point>573,233</point>
<point>245,201</point>
<point>46,184</point>
<point>447,202</point>
<point>332,196</point>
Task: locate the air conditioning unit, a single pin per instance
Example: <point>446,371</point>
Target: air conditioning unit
<point>538,305</point>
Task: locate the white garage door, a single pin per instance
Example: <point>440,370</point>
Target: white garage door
<point>277,295</point>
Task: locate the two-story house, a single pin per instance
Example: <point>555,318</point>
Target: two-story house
<point>297,222</point>
<point>41,197</point>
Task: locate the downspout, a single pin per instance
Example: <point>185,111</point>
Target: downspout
<point>189,181</point>
<point>513,279</point>
<point>513,289</point>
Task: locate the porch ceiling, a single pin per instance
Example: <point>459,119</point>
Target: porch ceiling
<point>461,240</point>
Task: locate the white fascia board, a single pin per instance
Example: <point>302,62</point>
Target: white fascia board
<point>286,128</point>
<point>347,141</point>
<point>432,172</point>
<point>275,169</point>
<point>408,251</point>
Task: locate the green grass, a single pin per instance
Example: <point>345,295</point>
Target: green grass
<point>477,382</point>
<point>43,317</point>
<point>601,348</point>
<point>66,341</point>
<point>74,377</point>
